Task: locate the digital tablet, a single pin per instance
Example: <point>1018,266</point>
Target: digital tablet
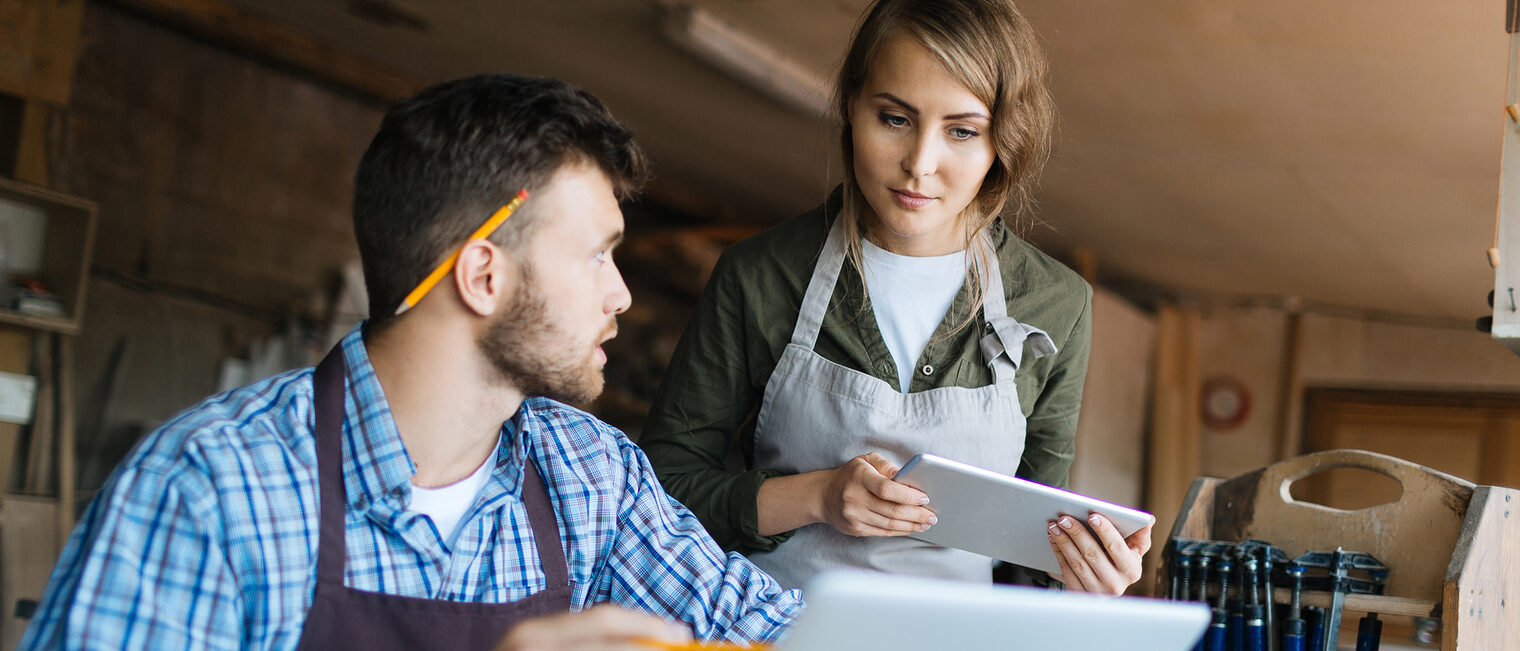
<point>993,514</point>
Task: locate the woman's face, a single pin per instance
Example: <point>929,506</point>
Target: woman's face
<point>922,149</point>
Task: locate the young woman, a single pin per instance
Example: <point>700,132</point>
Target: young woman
<point>958,339</point>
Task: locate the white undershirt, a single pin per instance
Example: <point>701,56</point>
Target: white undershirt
<point>446,505</point>
<point>909,296</point>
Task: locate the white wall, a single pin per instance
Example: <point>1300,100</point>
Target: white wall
<point>1111,431</point>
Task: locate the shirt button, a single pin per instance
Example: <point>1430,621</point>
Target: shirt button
<point>928,370</point>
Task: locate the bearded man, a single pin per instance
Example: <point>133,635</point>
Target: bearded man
<point>425,486</point>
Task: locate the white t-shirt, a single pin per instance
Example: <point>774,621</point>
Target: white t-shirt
<point>446,505</point>
<point>909,296</point>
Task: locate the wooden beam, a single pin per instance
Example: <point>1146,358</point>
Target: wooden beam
<point>226,24</point>
<point>40,47</point>
<point>33,148</point>
<point>1290,397</point>
<point>67,448</point>
<point>1174,444</point>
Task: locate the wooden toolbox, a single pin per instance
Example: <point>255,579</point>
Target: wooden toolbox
<point>1452,547</point>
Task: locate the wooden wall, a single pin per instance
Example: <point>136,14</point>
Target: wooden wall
<point>224,189</point>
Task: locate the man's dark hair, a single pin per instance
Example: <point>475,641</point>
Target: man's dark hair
<point>448,158</point>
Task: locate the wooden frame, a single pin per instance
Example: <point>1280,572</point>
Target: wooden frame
<point>67,246</point>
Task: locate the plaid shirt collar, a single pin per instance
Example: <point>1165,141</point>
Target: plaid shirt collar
<point>377,469</point>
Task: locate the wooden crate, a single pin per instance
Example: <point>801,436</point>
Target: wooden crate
<point>67,230</point>
<point>1447,542</point>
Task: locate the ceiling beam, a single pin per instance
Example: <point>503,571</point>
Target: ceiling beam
<point>227,25</point>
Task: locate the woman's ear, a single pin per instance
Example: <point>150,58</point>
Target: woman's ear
<point>485,277</point>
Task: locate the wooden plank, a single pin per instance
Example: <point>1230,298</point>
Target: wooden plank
<point>28,552</point>
<point>1290,403</point>
<point>1482,584</point>
<point>1174,446</point>
<point>223,22</point>
<point>33,150</point>
<point>37,55</point>
<point>21,19</point>
<point>15,351</point>
<point>39,463</point>
<point>52,78</point>
<point>1192,521</point>
<point>67,483</point>
<point>1362,603</point>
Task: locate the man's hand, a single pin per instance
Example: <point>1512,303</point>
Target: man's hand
<point>1094,558</point>
<point>859,498</point>
<point>600,628</point>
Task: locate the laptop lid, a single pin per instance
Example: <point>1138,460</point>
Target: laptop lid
<point>881,612</point>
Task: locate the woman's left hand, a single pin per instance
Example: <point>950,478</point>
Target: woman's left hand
<point>1094,557</point>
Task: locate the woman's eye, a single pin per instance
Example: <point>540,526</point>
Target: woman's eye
<point>961,133</point>
<point>602,256</point>
<point>894,121</point>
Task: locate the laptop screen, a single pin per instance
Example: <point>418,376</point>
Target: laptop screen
<point>850,610</point>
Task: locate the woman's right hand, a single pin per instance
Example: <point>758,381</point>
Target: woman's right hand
<point>860,498</point>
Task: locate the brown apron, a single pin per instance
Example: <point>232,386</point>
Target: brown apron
<point>344,618</point>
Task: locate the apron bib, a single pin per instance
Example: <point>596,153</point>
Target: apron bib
<point>344,618</point>
<point>817,415</point>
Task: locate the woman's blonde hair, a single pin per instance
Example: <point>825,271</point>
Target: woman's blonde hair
<point>989,48</point>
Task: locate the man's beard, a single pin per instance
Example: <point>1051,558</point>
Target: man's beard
<point>536,356</point>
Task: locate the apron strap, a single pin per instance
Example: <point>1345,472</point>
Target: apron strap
<point>1003,345</point>
<point>551,552</point>
<point>328,386</point>
<point>332,542</point>
<point>815,303</point>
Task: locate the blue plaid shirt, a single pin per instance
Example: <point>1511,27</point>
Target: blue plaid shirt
<point>206,536</point>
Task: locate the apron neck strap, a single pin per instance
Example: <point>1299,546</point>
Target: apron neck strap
<point>332,542</point>
<point>332,549</point>
<point>815,302</point>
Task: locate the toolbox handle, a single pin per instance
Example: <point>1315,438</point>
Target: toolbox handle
<point>1280,477</point>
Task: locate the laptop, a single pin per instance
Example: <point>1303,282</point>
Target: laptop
<point>849,610</point>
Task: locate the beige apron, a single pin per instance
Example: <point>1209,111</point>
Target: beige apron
<point>816,415</point>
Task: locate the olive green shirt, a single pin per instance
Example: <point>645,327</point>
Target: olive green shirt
<point>717,376</point>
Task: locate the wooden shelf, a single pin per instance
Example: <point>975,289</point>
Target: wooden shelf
<point>64,230</point>
<point>57,324</point>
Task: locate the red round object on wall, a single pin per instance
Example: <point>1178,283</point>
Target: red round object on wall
<point>1225,403</point>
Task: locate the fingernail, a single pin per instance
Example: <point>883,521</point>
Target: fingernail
<point>923,500</point>
<point>1067,523</point>
<point>933,520</point>
<point>1054,531</point>
<point>1093,519</point>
